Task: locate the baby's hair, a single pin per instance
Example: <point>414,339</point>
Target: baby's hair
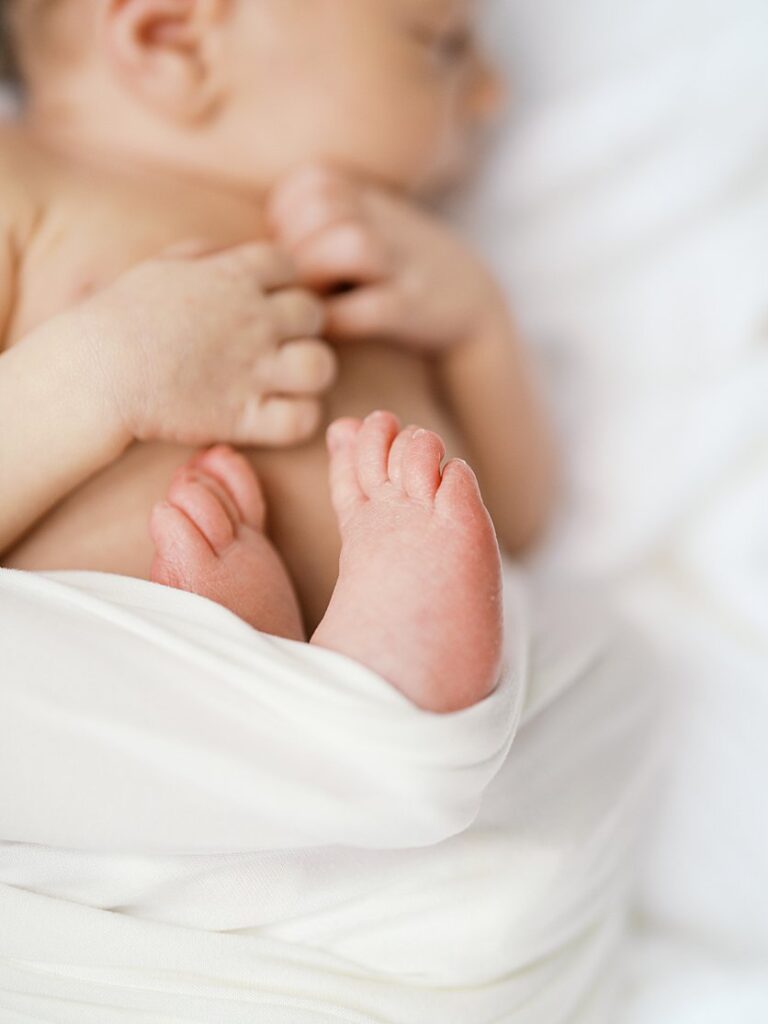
<point>20,21</point>
<point>9,71</point>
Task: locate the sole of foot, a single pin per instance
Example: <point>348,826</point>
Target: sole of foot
<point>419,594</point>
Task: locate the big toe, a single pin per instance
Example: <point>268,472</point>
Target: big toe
<point>459,492</point>
<point>346,491</point>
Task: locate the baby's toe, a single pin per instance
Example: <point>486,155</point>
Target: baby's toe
<point>374,441</point>
<point>421,465</point>
<point>201,499</point>
<point>235,475</point>
<point>459,492</point>
<point>179,546</point>
<point>396,454</point>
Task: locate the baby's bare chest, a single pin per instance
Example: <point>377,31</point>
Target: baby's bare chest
<point>90,232</point>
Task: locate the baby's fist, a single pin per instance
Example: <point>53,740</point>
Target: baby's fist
<point>216,346</point>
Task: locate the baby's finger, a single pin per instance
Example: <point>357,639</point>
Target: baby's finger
<point>303,367</point>
<point>278,421</point>
<point>373,312</point>
<point>296,313</point>
<point>345,253</point>
<point>303,184</point>
<point>269,266</point>
<point>302,221</point>
<point>189,249</point>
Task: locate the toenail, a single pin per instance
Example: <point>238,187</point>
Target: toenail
<point>419,432</point>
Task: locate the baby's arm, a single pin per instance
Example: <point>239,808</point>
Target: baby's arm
<point>417,285</point>
<point>56,426</point>
<point>192,349</point>
<point>487,383</point>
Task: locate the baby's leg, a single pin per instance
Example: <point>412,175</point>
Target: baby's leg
<point>209,539</point>
<point>418,598</point>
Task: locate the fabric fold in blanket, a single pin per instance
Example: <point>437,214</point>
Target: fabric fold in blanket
<point>200,822</point>
<point>194,712</point>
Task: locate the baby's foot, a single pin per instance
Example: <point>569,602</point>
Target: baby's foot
<point>209,539</point>
<point>419,593</point>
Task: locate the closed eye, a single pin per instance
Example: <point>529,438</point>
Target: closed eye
<point>449,45</point>
<point>454,45</point>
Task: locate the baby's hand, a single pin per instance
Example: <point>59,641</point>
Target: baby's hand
<point>389,269</point>
<point>197,348</point>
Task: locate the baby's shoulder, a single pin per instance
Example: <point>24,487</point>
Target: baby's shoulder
<point>22,202</point>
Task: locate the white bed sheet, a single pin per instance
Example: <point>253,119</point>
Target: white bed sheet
<point>626,209</point>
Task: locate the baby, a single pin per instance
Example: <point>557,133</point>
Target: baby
<point>278,155</point>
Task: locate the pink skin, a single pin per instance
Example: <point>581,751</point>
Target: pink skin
<point>418,599</point>
<point>209,539</point>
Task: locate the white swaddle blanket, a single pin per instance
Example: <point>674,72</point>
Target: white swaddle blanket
<point>204,823</point>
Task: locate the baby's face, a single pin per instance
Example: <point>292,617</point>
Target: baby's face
<point>394,89</point>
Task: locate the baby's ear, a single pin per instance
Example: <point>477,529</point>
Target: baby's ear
<point>167,52</point>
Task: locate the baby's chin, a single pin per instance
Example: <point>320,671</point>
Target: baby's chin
<point>458,170</point>
<point>449,181</point>
<point>424,183</point>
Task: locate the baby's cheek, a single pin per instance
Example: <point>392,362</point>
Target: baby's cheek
<point>440,141</point>
<point>413,148</point>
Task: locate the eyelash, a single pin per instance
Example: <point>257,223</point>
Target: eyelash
<point>454,45</point>
<point>449,47</point>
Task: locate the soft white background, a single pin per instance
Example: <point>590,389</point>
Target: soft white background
<point>626,208</point>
